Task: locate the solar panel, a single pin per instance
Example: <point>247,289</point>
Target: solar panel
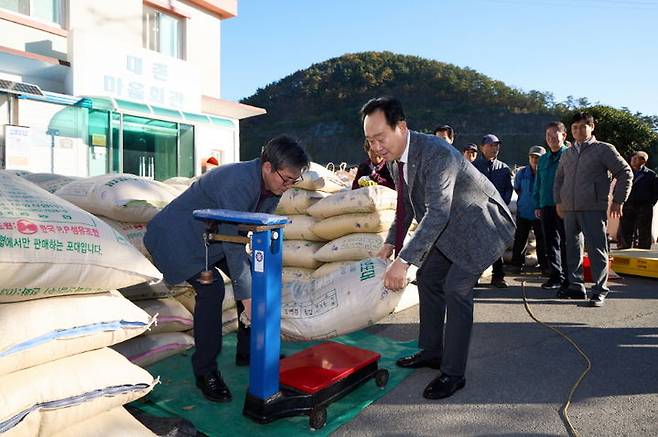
<point>19,88</point>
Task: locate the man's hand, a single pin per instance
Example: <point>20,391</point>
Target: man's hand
<point>395,277</point>
<point>247,307</point>
<point>538,213</point>
<point>559,210</point>
<point>385,252</point>
<point>615,210</point>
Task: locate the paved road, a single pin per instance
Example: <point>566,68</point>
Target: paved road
<point>520,373</point>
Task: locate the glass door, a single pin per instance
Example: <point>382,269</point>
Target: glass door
<point>150,147</point>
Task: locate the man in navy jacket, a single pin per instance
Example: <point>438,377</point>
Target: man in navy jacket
<point>174,239</point>
<point>638,209</point>
<point>500,176</point>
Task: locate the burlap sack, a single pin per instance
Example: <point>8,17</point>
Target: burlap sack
<point>344,301</point>
<point>123,197</point>
<point>366,199</point>
<point>296,274</point>
<point>51,397</point>
<point>151,348</point>
<point>172,316</point>
<point>133,232</point>
<point>49,181</point>
<point>299,228</point>
<point>114,423</point>
<point>49,247</point>
<point>188,298</point>
<point>42,330</point>
<point>299,253</point>
<point>337,226</point>
<point>328,268</point>
<point>147,290</point>
<point>318,178</point>
<point>352,247</point>
<point>297,201</point>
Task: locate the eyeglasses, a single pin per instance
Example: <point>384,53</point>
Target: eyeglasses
<point>289,181</point>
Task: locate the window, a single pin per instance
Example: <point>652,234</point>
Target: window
<point>163,33</point>
<point>51,11</point>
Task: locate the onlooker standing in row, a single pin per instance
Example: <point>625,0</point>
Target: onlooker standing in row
<point>525,212</point>
<point>470,152</point>
<point>552,224</point>
<point>638,209</point>
<point>373,169</point>
<point>446,132</point>
<point>582,185</point>
<point>500,176</point>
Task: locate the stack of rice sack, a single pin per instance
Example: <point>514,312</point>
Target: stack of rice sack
<point>300,243</point>
<point>127,203</point>
<point>343,301</point>
<point>355,222</point>
<point>57,317</point>
<point>49,181</point>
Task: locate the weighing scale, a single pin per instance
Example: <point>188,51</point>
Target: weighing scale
<point>306,382</point>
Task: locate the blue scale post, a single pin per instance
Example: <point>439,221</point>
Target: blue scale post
<point>266,259</point>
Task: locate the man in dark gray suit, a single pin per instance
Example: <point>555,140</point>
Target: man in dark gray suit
<point>174,239</point>
<point>463,227</point>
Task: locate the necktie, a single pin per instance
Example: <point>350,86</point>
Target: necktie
<point>399,211</point>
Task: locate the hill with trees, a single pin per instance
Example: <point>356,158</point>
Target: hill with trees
<point>320,106</point>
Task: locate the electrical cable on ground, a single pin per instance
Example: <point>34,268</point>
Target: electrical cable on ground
<point>564,410</point>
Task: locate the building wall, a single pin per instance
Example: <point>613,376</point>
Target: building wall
<point>119,21</point>
<point>28,39</point>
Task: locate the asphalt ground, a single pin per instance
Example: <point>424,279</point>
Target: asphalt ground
<point>520,373</point>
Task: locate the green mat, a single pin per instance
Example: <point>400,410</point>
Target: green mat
<point>177,394</point>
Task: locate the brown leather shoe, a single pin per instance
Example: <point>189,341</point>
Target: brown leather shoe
<point>418,360</point>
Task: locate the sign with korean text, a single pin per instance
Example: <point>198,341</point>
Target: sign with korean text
<point>100,68</point>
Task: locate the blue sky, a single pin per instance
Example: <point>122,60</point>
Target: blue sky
<point>604,50</point>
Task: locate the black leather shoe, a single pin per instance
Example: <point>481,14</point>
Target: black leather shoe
<point>567,293</point>
<point>213,387</point>
<point>418,360</point>
<point>552,284</point>
<point>499,283</point>
<point>443,386</point>
<point>243,360</point>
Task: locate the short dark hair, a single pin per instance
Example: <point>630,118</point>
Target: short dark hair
<point>284,151</point>
<point>445,128</point>
<point>583,116</point>
<point>390,106</point>
<point>556,124</point>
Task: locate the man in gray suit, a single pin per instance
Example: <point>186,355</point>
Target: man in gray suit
<point>463,227</point>
<point>174,239</point>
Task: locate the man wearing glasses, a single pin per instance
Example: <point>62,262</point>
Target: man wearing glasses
<point>174,239</point>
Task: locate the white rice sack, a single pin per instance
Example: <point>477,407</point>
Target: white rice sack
<point>299,253</point>
<point>51,397</point>
<point>49,181</point>
<point>299,228</point>
<point>318,178</point>
<point>366,199</point>
<point>19,173</point>
<point>188,298</point>
<point>49,247</point>
<point>133,232</point>
<point>147,290</point>
<point>114,423</point>
<point>329,267</point>
<point>297,201</point>
<point>337,226</point>
<point>151,348</point>
<point>42,330</point>
<point>296,274</point>
<point>123,197</point>
<point>179,180</point>
<point>352,247</point>
<point>172,316</point>
<point>344,301</point>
